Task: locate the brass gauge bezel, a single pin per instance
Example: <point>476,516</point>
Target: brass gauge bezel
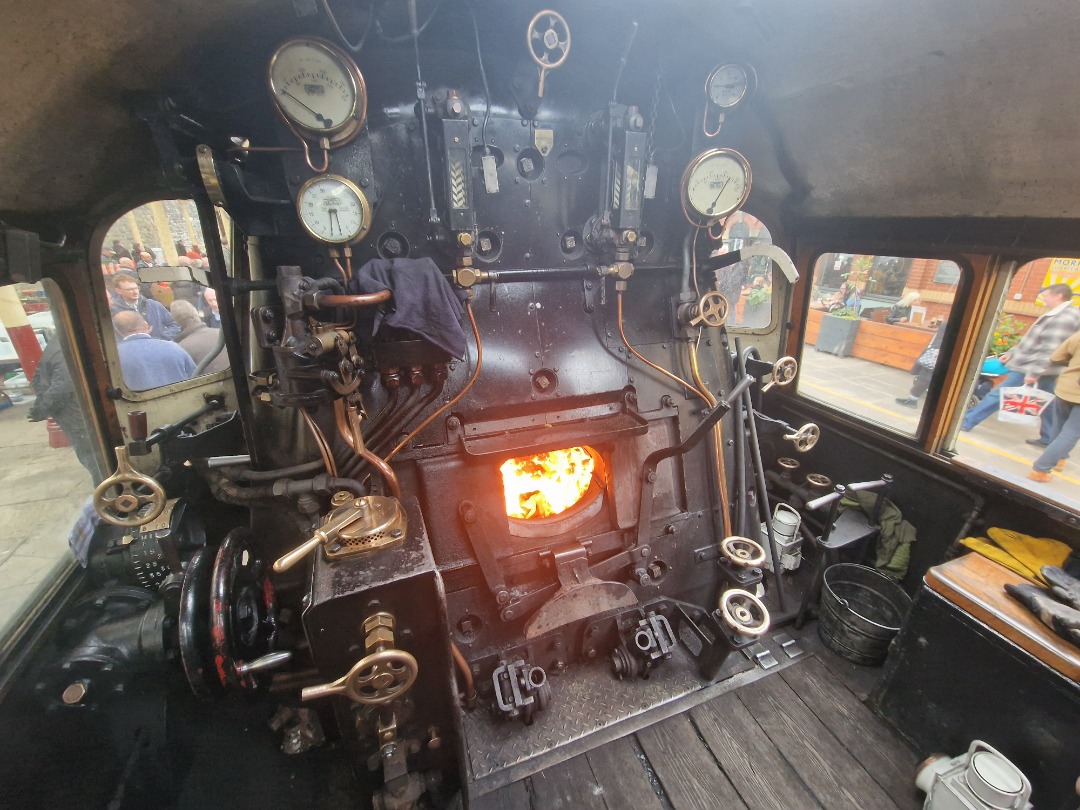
<point>365,208</point>
<point>342,133</point>
<point>751,83</point>
<point>701,218</point>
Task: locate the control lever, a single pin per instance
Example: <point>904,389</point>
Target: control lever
<point>648,467</point>
<point>141,444</point>
<point>369,524</point>
<point>825,500</point>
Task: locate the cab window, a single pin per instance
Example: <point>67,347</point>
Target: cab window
<point>874,331</point>
<point>163,314</point>
<point>1009,419</point>
<point>748,285</point>
<point>51,453</point>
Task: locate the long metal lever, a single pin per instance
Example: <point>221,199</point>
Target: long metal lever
<point>648,467</point>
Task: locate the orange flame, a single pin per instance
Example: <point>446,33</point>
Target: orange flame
<point>546,484</point>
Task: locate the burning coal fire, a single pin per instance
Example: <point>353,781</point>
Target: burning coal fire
<point>546,484</point>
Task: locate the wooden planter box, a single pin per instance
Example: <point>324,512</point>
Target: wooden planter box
<point>895,345</point>
<point>837,335</point>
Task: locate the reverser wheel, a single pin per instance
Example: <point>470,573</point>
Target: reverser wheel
<point>243,611</point>
<point>744,613</point>
<point>196,649</point>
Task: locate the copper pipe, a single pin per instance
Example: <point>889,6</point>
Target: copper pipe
<point>650,364</point>
<point>460,394</point>
<point>466,673</point>
<point>718,440</point>
<point>346,433</point>
<point>365,300</point>
<point>320,442</point>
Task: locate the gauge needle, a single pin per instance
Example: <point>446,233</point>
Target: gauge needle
<point>334,219</point>
<point>326,122</point>
<point>721,191</point>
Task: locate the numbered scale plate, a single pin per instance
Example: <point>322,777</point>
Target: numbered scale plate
<point>714,185</point>
<point>318,89</point>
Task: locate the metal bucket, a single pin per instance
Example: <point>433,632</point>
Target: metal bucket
<point>861,612</point>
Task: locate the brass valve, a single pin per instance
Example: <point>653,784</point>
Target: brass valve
<point>355,527</point>
<point>381,676</point>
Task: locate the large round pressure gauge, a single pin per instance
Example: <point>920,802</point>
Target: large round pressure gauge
<point>318,89</point>
<point>333,209</point>
<point>728,86</point>
<point>716,183</point>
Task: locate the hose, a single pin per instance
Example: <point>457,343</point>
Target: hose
<point>284,472</point>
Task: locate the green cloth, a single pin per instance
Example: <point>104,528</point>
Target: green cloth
<point>893,552</point>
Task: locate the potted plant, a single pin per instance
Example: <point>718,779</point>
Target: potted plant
<point>840,326</point>
<point>757,307</point>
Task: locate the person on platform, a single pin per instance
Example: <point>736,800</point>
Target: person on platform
<point>196,338</point>
<point>1065,420</point>
<point>1029,360</point>
<point>55,398</point>
<point>130,299</point>
<point>901,310</point>
<point>145,361</point>
<point>210,309</point>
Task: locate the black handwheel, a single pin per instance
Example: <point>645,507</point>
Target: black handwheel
<point>243,611</point>
<point>196,648</point>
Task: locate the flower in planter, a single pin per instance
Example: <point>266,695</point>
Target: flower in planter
<point>1007,334</point>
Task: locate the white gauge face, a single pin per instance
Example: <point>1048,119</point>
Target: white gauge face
<point>333,210</point>
<point>717,183</point>
<point>727,85</point>
<point>314,87</point>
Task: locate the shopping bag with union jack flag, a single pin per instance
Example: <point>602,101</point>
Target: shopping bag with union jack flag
<point>1023,404</point>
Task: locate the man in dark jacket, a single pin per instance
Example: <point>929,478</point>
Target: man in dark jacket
<point>55,398</point>
<point>196,338</point>
<point>130,299</point>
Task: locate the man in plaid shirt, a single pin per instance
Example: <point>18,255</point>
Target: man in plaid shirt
<point>1029,361</point>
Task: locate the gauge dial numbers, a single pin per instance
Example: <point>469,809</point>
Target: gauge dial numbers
<point>318,89</point>
<point>729,85</point>
<point>716,183</point>
<point>333,210</point>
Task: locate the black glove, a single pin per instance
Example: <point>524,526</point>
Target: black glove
<point>1060,618</point>
<point>1065,588</point>
<point>36,413</point>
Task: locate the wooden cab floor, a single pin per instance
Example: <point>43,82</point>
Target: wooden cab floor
<point>798,738</point>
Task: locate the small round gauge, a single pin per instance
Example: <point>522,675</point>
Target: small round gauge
<point>318,89</point>
<point>715,183</point>
<point>728,85</point>
<point>333,209</point>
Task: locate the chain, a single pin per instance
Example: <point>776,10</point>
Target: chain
<point>650,149</point>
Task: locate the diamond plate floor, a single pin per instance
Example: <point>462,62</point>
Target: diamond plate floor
<point>590,707</point>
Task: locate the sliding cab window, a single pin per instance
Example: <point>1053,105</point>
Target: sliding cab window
<point>747,285</point>
<point>874,329</point>
<point>1003,432</point>
<point>164,315</point>
<point>52,455</point>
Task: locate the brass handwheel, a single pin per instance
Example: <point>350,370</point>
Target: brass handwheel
<point>783,373</point>
<point>377,678</point>
<point>548,40</point>
<point>744,613</point>
<point>805,437</point>
<point>742,551</point>
<point>712,310</point>
<point>127,497</point>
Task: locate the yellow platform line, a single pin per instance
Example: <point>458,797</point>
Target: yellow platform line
<point>989,448</point>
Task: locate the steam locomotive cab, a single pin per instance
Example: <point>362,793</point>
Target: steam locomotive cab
<point>490,474</point>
